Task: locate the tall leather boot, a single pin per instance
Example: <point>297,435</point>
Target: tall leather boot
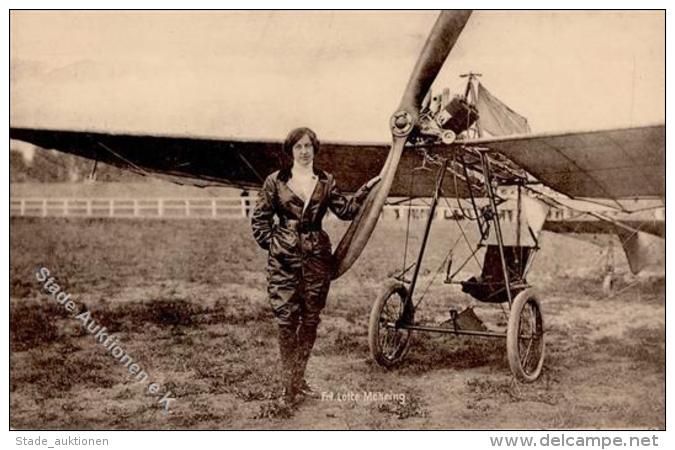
<point>306,339</point>
<point>288,351</point>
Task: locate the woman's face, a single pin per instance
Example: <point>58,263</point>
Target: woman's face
<point>303,152</point>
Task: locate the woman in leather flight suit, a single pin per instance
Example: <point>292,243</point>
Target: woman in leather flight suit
<point>300,261</point>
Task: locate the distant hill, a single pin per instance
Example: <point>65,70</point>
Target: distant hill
<point>35,172</point>
<point>33,164</point>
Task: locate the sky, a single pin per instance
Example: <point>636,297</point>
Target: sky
<point>259,74</point>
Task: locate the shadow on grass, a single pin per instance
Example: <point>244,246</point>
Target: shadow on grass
<point>432,352</point>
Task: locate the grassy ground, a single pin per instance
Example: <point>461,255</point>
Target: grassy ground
<point>187,300</point>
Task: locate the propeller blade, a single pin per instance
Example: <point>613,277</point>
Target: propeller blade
<point>442,38</point>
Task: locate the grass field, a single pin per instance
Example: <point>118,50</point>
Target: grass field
<point>187,300</point>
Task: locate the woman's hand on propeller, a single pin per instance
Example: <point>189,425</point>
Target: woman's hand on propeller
<point>372,182</point>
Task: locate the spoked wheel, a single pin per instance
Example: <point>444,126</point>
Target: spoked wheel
<point>388,344</point>
<point>525,337</point>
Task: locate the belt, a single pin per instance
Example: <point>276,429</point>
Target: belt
<point>300,227</point>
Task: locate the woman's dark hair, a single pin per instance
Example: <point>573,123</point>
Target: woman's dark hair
<point>286,157</point>
<point>295,135</point>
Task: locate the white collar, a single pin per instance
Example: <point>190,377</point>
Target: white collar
<point>302,172</point>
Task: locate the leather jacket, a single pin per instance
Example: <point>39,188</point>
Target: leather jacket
<point>300,252</point>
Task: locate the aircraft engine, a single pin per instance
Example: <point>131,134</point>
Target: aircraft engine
<point>458,115</point>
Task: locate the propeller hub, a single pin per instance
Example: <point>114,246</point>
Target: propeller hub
<point>448,137</point>
<point>401,123</point>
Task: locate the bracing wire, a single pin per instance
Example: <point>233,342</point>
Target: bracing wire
<point>440,267</point>
<point>407,227</point>
<point>456,186</point>
<point>466,239</point>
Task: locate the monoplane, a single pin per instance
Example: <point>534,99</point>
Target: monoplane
<point>481,153</point>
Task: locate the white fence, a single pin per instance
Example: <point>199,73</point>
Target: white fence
<point>204,208</point>
<point>174,208</point>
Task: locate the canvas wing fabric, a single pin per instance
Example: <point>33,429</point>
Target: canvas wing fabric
<point>606,164</point>
<point>496,118</point>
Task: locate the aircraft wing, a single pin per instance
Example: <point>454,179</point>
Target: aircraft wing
<point>606,164</point>
<point>231,162</point>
